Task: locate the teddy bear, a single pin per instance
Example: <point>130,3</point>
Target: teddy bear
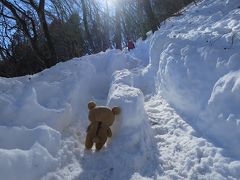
<point>101,118</point>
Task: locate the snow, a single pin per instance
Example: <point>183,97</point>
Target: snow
<point>23,138</point>
<point>194,60</point>
<point>29,164</point>
<point>179,93</point>
<point>222,114</point>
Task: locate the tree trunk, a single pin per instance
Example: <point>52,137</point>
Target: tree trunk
<point>41,16</point>
<point>150,14</point>
<point>89,38</point>
<point>24,29</point>
<point>106,24</point>
<point>118,38</point>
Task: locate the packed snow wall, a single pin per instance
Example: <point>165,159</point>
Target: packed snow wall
<point>198,61</point>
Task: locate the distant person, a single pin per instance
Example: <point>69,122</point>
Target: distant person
<point>130,45</point>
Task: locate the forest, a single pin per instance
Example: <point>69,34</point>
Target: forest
<point>37,34</point>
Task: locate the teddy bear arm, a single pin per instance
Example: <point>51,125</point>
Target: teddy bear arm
<point>88,128</point>
<point>109,132</point>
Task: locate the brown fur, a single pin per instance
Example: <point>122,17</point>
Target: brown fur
<point>101,118</point>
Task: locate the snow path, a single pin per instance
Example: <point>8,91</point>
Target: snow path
<point>184,155</point>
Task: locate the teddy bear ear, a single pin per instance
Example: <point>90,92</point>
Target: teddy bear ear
<point>116,110</point>
<point>91,105</point>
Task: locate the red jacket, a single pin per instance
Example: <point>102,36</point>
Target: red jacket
<point>130,45</point>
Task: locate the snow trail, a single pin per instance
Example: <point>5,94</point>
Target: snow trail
<point>183,153</point>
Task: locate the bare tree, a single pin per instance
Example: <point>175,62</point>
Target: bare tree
<point>25,23</point>
<point>146,4</point>
<point>118,36</point>
<point>85,21</point>
<point>39,8</point>
<point>43,32</point>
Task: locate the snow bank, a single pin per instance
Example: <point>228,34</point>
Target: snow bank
<point>131,131</point>
<point>105,64</point>
<point>192,54</point>
<point>222,115</point>
<point>130,100</point>
<point>28,165</point>
<point>23,138</point>
<point>141,51</point>
<point>55,95</point>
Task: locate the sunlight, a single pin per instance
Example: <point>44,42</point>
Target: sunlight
<point>112,2</point>
<point>109,4</point>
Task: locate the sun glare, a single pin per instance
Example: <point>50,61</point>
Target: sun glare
<point>111,3</point>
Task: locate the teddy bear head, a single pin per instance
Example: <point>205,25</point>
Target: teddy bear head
<point>102,114</point>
